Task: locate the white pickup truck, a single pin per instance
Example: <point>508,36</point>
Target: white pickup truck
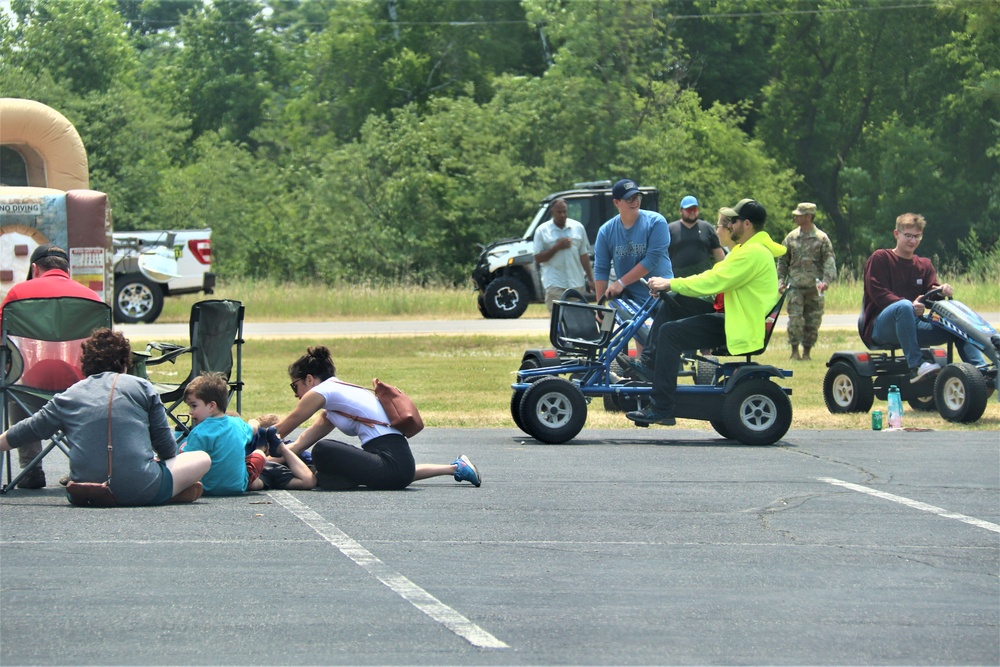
<point>142,279</point>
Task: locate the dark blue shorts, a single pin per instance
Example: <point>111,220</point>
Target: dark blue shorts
<point>166,491</point>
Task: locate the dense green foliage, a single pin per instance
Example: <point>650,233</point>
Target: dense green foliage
<point>376,141</point>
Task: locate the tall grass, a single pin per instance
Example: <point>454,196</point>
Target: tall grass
<point>275,302</point>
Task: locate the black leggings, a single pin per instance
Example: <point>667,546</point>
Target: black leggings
<point>385,462</point>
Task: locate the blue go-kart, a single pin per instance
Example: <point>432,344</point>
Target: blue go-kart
<point>742,402</point>
<point>959,391</point>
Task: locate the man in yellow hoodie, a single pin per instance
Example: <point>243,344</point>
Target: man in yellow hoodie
<point>748,279</point>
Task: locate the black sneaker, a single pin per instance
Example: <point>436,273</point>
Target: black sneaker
<point>35,479</point>
<point>273,441</point>
<point>639,371</point>
<point>651,415</point>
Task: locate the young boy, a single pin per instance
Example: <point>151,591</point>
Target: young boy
<point>223,437</point>
<point>292,474</point>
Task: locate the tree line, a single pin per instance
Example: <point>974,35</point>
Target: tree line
<point>381,140</point>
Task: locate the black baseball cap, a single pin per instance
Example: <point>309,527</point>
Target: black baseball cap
<point>748,209</point>
<point>47,250</point>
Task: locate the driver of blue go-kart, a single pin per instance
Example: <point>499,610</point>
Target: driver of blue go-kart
<point>896,281</point>
<point>748,279</point>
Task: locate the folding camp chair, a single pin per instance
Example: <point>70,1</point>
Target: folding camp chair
<point>216,327</point>
<point>40,357</point>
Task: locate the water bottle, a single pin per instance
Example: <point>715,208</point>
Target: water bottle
<point>895,407</point>
<point>818,290</point>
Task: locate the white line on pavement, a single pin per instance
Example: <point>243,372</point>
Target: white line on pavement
<point>915,504</point>
<point>402,586</point>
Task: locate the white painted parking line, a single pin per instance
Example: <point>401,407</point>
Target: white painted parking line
<point>402,586</point>
<point>915,504</point>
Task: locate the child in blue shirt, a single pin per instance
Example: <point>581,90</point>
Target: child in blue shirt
<point>223,437</point>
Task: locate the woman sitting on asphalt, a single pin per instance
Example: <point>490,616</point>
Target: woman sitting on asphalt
<point>139,430</point>
<point>384,460</point>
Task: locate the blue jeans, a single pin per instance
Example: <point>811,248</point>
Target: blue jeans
<point>897,325</point>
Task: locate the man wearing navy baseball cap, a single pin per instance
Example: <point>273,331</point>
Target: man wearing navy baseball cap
<point>634,242</point>
<point>748,279</point>
<point>48,276</point>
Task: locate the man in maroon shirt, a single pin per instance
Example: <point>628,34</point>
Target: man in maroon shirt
<point>896,281</point>
<point>48,277</point>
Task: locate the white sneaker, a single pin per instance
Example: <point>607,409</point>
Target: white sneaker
<point>925,369</point>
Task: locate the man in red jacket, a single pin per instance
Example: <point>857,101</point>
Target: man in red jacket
<point>896,280</point>
<point>48,277</point>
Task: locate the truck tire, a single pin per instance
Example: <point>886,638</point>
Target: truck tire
<point>505,298</point>
<point>137,299</point>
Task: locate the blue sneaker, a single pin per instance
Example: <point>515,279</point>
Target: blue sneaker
<point>466,471</point>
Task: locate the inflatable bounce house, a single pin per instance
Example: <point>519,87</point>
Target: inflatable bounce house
<point>45,197</point>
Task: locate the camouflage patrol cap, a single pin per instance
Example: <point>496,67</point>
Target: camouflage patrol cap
<point>805,208</point>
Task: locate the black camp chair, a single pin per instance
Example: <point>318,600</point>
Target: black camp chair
<point>216,327</point>
<point>40,357</point>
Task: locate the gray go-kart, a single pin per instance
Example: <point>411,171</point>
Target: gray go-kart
<point>743,402</point>
<point>959,392</point>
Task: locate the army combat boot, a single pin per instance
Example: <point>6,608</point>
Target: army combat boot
<point>795,352</point>
<point>805,352</point>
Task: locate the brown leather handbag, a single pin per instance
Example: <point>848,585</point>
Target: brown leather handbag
<point>399,408</point>
<point>92,494</point>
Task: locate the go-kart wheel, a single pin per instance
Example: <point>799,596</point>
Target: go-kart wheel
<point>515,404</point>
<point>481,303</point>
<point>961,393</point>
<point>720,428</point>
<point>553,410</point>
<point>704,371</point>
<point>757,412</point>
<point>619,402</point>
<point>922,403</point>
<point>528,364</point>
<point>844,390</point>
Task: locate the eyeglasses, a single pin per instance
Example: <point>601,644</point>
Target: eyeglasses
<point>634,199</point>
<point>912,237</point>
<point>295,386</point>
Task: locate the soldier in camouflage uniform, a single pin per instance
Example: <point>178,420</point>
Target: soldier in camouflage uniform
<point>807,269</point>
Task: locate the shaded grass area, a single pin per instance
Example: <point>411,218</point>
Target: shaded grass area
<point>464,381</point>
<point>275,302</point>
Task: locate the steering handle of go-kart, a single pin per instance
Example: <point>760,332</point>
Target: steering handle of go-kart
<point>933,295</point>
<point>604,297</point>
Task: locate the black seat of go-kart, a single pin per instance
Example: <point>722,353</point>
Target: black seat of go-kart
<point>769,321</point>
<point>869,343</point>
<point>574,325</point>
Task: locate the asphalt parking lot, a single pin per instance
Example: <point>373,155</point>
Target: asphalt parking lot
<point>632,546</point>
